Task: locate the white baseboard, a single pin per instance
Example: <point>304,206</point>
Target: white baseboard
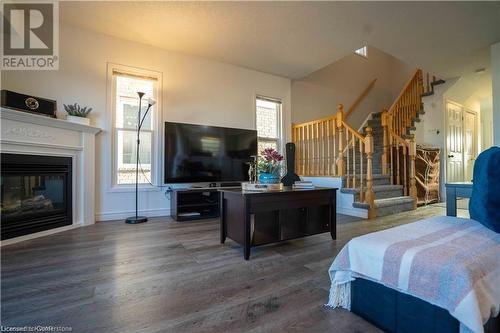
<point>39,234</point>
<point>363,213</point>
<point>110,216</point>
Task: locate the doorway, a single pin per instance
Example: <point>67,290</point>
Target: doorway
<point>461,142</point>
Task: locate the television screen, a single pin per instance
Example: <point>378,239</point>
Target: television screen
<point>197,153</point>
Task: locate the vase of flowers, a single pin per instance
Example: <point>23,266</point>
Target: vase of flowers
<point>269,166</point>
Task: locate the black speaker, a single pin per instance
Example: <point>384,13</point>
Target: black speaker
<point>290,178</point>
<point>27,103</point>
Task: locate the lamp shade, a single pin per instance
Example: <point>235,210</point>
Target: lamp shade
<point>151,101</point>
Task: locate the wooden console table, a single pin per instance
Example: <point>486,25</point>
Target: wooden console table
<point>258,218</point>
<point>454,190</point>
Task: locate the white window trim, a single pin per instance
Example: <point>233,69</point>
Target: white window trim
<point>157,151</point>
<point>280,139</point>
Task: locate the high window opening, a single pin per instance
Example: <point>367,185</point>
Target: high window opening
<point>362,52</point>
<point>268,123</point>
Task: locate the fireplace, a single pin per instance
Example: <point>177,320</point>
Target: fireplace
<point>35,193</point>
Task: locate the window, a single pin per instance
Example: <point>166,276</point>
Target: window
<point>125,104</point>
<point>268,123</point>
<point>362,52</point>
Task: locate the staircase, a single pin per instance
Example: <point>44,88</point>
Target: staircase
<point>389,198</point>
<point>377,166</point>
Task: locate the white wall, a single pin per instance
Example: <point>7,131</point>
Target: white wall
<point>195,90</point>
<point>318,94</point>
<point>495,73</point>
<point>432,128</point>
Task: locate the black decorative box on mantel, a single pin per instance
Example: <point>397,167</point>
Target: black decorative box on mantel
<point>27,103</point>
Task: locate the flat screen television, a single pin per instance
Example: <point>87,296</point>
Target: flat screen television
<point>198,153</point>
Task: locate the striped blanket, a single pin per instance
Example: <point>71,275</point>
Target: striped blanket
<point>450,262</point>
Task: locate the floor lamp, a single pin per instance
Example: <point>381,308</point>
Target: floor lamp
<point>139,219</point>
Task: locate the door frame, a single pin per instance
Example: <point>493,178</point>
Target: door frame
<point>478,135</point>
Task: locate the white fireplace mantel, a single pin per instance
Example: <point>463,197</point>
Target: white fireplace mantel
<point>26,133</point>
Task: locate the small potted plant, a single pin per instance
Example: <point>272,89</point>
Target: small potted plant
<point>269,166</point>
<point>77,114</point>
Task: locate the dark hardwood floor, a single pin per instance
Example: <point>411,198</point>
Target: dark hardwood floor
<point>165,276</point>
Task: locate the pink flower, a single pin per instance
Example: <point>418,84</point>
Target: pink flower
<point>271,155</point>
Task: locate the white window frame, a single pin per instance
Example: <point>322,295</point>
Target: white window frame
<point>156,143</point>
<point>279,123</point>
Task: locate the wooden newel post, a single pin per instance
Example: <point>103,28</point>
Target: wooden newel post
<point>369,195</point>
<point>340,119</point>
<point>385,142</point>
<point>413,186</point>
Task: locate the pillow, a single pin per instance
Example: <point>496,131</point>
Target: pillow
<point>484,204</point>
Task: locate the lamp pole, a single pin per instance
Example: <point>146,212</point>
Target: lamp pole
<point>139,219</point>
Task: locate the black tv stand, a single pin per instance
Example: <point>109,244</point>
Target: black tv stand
<point>195,203</point>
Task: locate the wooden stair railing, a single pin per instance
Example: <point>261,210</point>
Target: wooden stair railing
<point>398,158</point>
<point>399,148</point>
<point>331,147</point>
<point>407,105</point>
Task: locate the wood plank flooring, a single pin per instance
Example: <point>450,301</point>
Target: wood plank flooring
<point>165,276</point>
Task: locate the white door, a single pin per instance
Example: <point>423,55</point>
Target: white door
<point>470,143</point>
<point>454,146</point>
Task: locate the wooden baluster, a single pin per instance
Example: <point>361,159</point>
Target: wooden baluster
<point>405,179</point>
<point>413,185</point>
<point>398,165</point>
<point>318,152</point>
<point>300,166</point>
<point>334,147</point>
<point>361,172</point>
<point>297,152</point>
<point>369,195</point>
<point>340,118</point>
<point>294,139</point>
<point>348,172</point>
<point>313,154</point>
<point>391,147</point>
<point>327,145</point>
<point>308,151</point>
<point>303,151</point>
<point>420,89</point>
<point>400,125</point>
<point>405,113</point>
<point>353,161</point>
<point>323,145</point>
<point>319,149</point>
<point>385,139</point>
<point>413,94</point>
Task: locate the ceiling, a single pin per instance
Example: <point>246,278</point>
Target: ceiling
<point>293,39</point>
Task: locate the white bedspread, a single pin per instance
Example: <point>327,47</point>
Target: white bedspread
<point>450,262</point>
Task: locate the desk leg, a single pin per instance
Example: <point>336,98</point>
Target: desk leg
<point>451,202</point>
<point>223,222</point>
<point>248,243</point>
<point>333,220</point>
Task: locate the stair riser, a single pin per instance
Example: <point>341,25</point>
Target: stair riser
<point>384,211</point>
<point>383,195</point>
<point>376,181</point>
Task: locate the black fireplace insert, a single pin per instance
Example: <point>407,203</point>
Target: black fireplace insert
<point>36,193</point>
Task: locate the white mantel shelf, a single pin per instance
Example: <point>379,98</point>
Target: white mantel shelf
<point>31,134</point>
<point>32,118</point>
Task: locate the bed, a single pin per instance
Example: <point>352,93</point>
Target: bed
<point>441,274</point>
